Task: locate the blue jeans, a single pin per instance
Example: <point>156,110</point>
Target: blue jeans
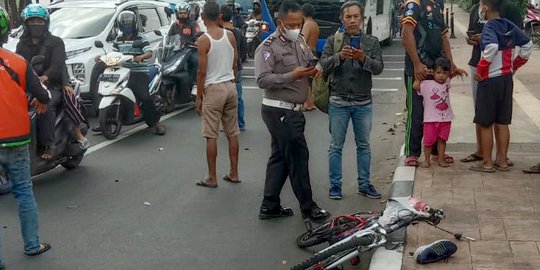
<point>241,123</point>
<point>16,163</point>
<point>339,122</point>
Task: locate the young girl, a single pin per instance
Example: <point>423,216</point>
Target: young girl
<point>437,111</point>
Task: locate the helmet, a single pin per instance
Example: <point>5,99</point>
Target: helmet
<point>183,6</point>
<point>230,2</point>
<point>238,7</point>
<point>35,11</point>
<point>127,20</point>
<point>4,26</point>
<point>257,2</point>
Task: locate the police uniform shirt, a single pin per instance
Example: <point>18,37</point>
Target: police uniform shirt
<point>275,60</point>
<point>427,18</point>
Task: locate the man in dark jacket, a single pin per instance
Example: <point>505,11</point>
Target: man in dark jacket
<point>358,59</point>
<point>16,80</point>
<point>226,13</point>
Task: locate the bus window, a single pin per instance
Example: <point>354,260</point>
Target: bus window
<point>380,7</point>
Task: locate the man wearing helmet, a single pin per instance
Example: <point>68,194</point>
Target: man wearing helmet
<point>256,14</point>
<point>184,26</point>
<point>139,78</point>
<point>37,40</point>
<point>237,20</point>
<point>16,80</point>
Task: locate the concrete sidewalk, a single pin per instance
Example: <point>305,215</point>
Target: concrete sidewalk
<point>499,210</point>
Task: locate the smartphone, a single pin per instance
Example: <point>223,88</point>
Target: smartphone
<point>355,42</point>
<point>471,33</point>
<point>312,62</point>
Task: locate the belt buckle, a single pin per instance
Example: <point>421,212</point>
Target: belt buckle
<point>285,105</point>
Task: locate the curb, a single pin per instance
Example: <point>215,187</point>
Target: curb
<point>400,190</point>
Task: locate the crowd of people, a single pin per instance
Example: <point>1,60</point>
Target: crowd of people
<point>285,65</point>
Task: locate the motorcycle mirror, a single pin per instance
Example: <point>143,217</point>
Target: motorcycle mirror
<point>157,32</point>
<point>98,44</point>
<point>37,63</point>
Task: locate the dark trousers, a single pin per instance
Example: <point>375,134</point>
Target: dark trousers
<point>289,158</point>
<point>138,83</point>
<point>415,121</point>
<point>45,123</point>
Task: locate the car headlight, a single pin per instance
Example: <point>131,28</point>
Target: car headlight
<point>78,71</point>
<point>72,54</point>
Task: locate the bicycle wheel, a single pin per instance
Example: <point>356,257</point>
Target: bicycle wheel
<point>323,259</point>
<point>325,233</point>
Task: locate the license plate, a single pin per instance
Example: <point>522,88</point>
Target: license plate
<point>110,77</point>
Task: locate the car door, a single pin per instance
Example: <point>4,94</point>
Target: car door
<point>151,21</point>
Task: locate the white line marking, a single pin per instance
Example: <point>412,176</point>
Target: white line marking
<point>249,77</point>
<point>249,68</point>
<point>393,69</point>
<point>388,78</point>
<point>393,62</point>
<point>250,87</point>
<point>393,55</point>
<point>384,90</point>
<point>133,131</point>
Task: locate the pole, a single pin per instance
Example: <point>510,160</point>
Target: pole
<point>452,35</point>
<point>446,17</point>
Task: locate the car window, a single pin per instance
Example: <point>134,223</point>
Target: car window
<point>76,23</point>
<point>149,19</point>
<point>165,19</point>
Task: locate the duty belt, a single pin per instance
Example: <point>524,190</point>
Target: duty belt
<point>282,104</point>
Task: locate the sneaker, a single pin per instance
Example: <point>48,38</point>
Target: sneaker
<point>266,213</point>
<point>434,252</point>
<point>84,144</point>
<point>335,193</point>
<point>370,192</point>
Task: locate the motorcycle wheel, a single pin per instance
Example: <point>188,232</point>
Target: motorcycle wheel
<point>5,185</point>
<point>168,93</point>
<point>251,50</point>
<point>73,162</point>
<point>110,121</point>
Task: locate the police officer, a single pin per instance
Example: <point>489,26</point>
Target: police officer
<point>281,67</point>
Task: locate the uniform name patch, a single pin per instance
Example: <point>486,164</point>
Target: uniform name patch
<point>266,55</point>
<point>409,13</point>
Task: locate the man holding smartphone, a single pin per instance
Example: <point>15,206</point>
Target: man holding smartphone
<point>359,58</point>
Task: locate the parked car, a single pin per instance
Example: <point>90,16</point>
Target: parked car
<point>81,22</point>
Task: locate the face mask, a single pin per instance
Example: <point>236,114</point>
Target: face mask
<point>182,20</point>
<point>482,16</point>
<point>291,34</point>
<point>37,31</point>
<point>128,30</point>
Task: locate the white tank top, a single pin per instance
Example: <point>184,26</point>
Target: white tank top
<point>220,60</point>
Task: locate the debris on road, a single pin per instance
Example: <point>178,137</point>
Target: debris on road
<point>246,149</point>
<point>161,149</point>
<point>72,206</point>
<point>390,158</point>
<point>384,123</point>
<point>117,180</point>
<point>399,113</point>
<point>284,262</point>
<point>147,204</point>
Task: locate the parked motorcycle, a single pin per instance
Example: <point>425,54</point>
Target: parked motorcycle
<point>532,22</point>
<point>253,35</point>
<point>178,78</point>
<point>68,152</point>
<point>118,104</point>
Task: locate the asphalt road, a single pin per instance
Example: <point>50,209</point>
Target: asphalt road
<point>133,204</point>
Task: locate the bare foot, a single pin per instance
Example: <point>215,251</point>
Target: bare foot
<point>425,164</point>
<point>443,164</point>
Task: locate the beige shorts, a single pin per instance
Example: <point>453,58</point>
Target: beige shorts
<point>220,105</point>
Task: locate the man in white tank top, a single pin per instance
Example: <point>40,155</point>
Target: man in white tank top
<point>217,101</point>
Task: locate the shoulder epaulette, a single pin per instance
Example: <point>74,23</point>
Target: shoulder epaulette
<point>269,40</point>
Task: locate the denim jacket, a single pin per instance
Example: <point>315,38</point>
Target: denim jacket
<point>351,78</point>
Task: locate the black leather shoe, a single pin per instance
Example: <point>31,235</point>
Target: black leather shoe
<point>266,213</point>
<point>318,214</point>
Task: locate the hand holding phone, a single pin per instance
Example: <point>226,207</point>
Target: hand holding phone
<point>312,63</point>
<point>470,33</point>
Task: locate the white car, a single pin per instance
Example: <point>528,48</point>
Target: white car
<point>81,22</point>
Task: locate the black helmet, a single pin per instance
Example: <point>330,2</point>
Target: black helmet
<point>127,22</point>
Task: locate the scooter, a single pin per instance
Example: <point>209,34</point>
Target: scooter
<point>532,22</point>
<point>67,152</point>
<point>178,79</point>
<point>118,104</point>
<point>253,35</point>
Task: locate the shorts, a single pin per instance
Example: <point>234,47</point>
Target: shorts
<point>220,106</point>
<point>436,130</point>
<point>494,101</point>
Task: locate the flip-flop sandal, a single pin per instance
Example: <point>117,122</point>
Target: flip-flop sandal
<point>203,183</point>
<point>481,168</point>
<point>43,247</point>
<point>500,168</point>
<point>411,161</point>
<point>533,169</point>
<point>471,158</point>
<point>228,179</point>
